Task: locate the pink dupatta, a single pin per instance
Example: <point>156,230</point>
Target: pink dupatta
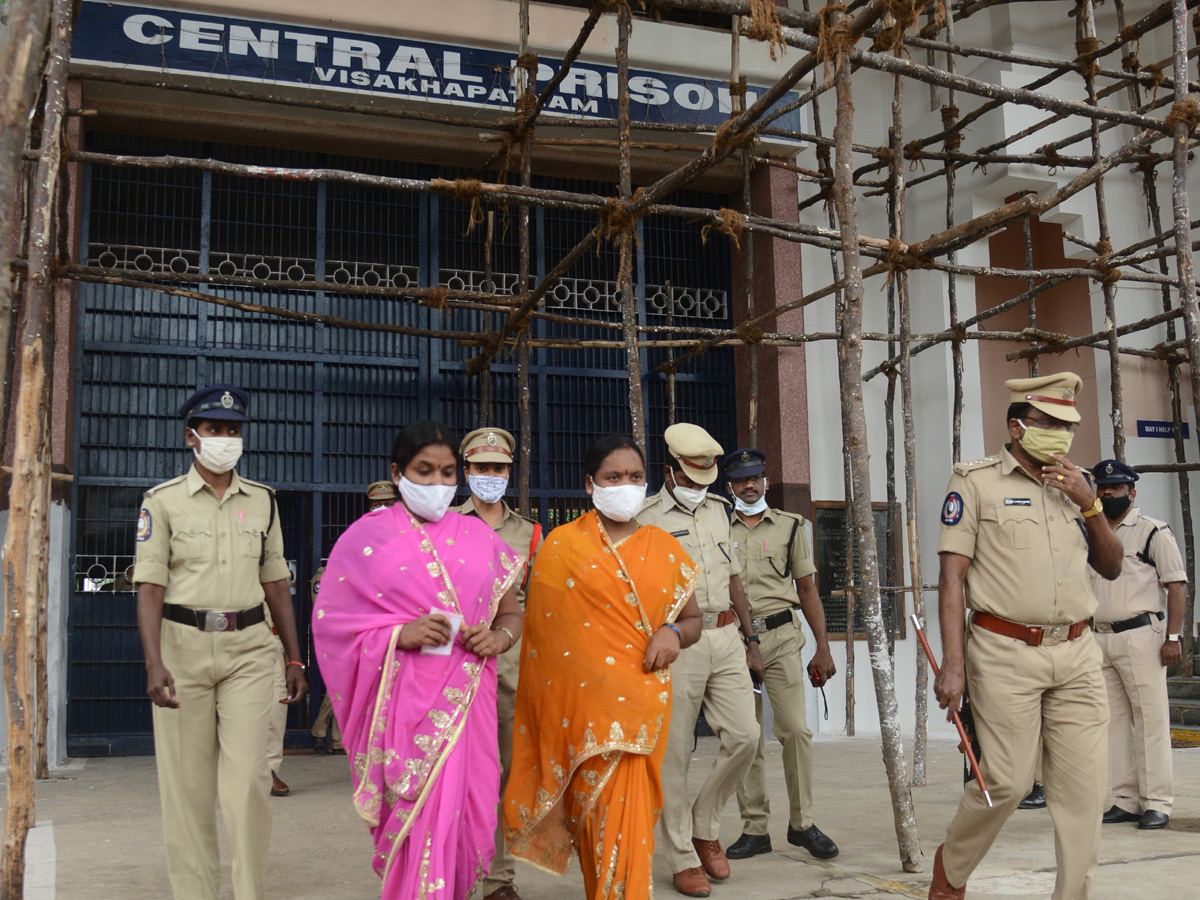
<point>419,729</point>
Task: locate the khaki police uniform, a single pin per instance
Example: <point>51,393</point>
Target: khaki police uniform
<point>711,672</point>
<point>768,575</point>
<point>277,725</point>
<point>325,719</point>
<point>1139,734</point>
<point>214,553</point>
<point>490,445</point>
<point>1029,559</point>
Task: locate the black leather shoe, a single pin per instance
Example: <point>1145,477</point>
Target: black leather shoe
<point>1035,799</point>
<point>1115,814</point>
<point>323,745</point>
<point>814,840</point>
<point>1152,819</point>
<point>749,845</point>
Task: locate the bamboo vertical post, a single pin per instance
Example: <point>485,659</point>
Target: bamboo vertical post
<point>850,374</point>
<point>737,105</point>
<point>951,143</point>
<point>485,377</point>
<point>22,43</point>
<point>523,253</point>
<point>26,541</point>
<point>629,324</point>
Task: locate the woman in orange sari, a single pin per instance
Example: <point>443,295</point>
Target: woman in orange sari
<point>609,608</point>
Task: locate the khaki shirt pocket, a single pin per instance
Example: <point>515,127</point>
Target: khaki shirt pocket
<point>251,535</point>
<point>768,562</point>
<point>193,538</point>
<point>1020,527</point>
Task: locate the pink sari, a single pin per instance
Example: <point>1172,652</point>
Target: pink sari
<point>419,729</point>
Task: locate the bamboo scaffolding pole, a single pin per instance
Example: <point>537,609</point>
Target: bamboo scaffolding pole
<point>953,138</point>
<point>26,557</point>
<point>525,419</point>
<point>854,417</point>
<point>22,45</point>
<point>1154,216</point>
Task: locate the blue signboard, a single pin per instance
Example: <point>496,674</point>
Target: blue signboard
<point>177,42</point>
<point>1154,429</point>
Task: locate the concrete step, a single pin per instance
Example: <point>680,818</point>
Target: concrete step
<point>1182,738</point>
<point>1183,688</point>
<point>1185,713</point>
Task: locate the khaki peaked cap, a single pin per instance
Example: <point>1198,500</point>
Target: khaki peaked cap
<point>696,451</point>
<point>1055,395</point>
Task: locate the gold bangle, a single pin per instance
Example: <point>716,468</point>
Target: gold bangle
<point>511,640</point>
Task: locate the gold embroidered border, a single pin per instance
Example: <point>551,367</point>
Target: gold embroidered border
<point>385,684</point>
<point>690,588</point>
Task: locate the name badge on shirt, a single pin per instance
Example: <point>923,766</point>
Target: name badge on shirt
<point>679,533</point>
<point>1018,501</point>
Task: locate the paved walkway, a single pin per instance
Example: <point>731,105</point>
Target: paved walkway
<point>99,837</point>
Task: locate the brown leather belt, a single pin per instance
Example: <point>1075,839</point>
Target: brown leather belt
<point>1033,635</point>
<point>214,620</point>
<point>718,620</point>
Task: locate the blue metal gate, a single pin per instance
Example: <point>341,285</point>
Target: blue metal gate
<point>327,401</point>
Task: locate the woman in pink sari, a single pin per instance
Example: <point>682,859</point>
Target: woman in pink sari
<point>414,603</point>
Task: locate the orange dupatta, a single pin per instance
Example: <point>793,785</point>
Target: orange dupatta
<point>584,701</point>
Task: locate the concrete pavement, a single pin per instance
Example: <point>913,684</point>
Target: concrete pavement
<point>100,837</point>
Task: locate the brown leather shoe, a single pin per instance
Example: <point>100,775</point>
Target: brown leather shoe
<point>939,888</point>
<point>713,858</point>
<point>692,883</point>
<point>278,787</point>
<point>504,892</point>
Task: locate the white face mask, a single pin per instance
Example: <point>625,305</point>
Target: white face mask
<point>750,509</point>
<point>217,454</point>
<point>488,488</point>
<point>620,503</point>
<point>429,501</point>
<point>689,497</point>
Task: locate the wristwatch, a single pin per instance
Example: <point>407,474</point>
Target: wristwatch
<point>1173,637</point>
<point>752,639</point>
<point>1094,510</point>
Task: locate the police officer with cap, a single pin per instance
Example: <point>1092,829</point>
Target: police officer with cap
<point>1138,645</point>
<point>209,552</point>
<point>777,572</point>
<point>1019,531</point>
<point>487,455</point>
<point>380,494</point>
<point>714,672</point>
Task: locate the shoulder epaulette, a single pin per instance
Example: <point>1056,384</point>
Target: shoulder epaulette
<point>790,515</point>
<point>649,501</point>
<point>159,487</point>
<point>258,484</point>
<point>966,468</point>
<point>719,498</point>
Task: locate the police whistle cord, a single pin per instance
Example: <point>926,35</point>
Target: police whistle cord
<point>958,723</point>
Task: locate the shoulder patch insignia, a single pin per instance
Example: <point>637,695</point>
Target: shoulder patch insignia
<point>144,525</point>
<point>963,468</point>
<point>952,509</point>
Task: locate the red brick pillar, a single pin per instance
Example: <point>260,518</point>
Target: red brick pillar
<point>782,376</point>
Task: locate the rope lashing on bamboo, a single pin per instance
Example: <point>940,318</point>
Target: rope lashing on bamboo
<point>1086,49</point>
<point>616,219</point>
<point>1186,111</point>
<point>915,154</point>
<point>834,40</point>
<point>954,139</point>
<point>737,88</point>
<point>465,189</point>
<point>731,224</point>
<point>1112,274</point>
<point>901,16</point>
<point>1053,160</point>
<point>528,62</point>
<point>1130,62</point>
<point>728,137</point>
<point>436,299</point>
<point>900,259</point>
<point>751,334</point>
<point>764,25</point>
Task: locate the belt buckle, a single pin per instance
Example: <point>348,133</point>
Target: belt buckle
<point>217,621</point>
<point>1103,628</point>
<point>759,625</point>
<point>1054,634</point>
<point>710,620</point>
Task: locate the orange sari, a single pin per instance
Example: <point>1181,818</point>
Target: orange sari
<point>591,726</point>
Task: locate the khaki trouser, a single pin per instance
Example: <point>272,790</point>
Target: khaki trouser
<point>1139,734</point>
<point>711,672</point>
<point>784,685</point>
<point>508,665</point>
<point>215,743</point>
<point>1017,693</point>
<point>277,723</point>
<point>325,720</point>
